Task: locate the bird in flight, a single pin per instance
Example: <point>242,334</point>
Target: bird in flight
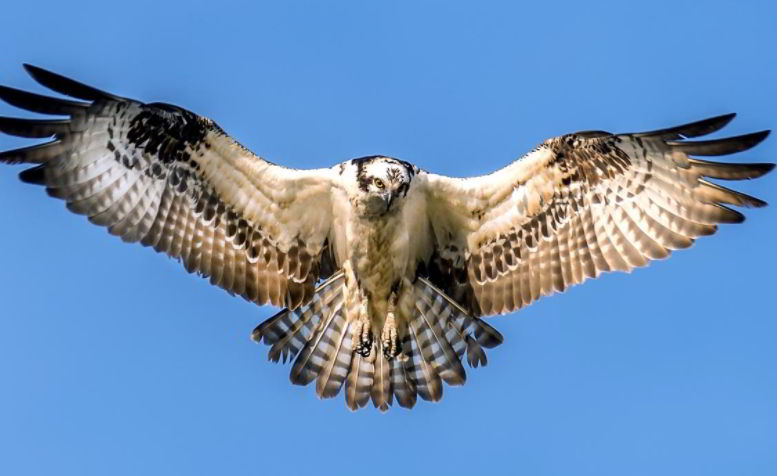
<point>384,271</point>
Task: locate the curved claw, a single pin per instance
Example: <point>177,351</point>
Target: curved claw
<point>362,338</point>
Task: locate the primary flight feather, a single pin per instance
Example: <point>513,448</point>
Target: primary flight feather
<point>383,270</point>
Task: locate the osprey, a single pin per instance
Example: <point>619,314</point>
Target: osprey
<point>384,270</point>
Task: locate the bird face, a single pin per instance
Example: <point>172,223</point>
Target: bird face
<point>383,183</point>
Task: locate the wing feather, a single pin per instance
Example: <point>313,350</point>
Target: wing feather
<point>580,205</point>
<point>172,180</point>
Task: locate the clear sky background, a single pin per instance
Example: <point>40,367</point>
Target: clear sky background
<point>113,360</point>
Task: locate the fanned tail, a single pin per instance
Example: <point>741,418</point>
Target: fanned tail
<point>438,335</point>
<point>435,335</point>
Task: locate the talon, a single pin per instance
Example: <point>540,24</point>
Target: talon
<point>364,350</point>
<point>362,338</point>
<point>372,354</point>
<point>366,338</point>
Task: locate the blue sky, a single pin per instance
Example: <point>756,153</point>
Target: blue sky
<point>115,361</point>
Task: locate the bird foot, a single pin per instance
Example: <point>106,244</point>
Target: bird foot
<point>362,337</point>
<point>390,338</point>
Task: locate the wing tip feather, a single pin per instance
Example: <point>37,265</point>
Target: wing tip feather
<point>725,146</point>
<point>39,103</point>
<point>33,175</point>
<point>65,85</point>
<point>691,129</point>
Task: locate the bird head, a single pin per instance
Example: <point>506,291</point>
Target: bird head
<point>381,184</point>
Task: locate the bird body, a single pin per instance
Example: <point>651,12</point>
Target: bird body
<point>380,250</point>
<point>383,270</point>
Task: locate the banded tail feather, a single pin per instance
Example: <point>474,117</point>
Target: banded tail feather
<point>428,325</point>
<point>338,358</point>
<point>460,319</point>
<point>437,335</point>
<point>358,385</point>
<point>323,347</point>
<point>381,392</point>
<point>425,377</point>
<point>402,386</point>
<point>289,330</point>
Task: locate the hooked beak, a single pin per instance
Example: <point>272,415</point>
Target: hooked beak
<point>388,198</point>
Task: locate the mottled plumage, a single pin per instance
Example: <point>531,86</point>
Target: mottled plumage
<point>383,270</point>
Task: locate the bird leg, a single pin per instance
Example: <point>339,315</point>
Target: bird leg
<point>390,337</point>
<point>362,332</point>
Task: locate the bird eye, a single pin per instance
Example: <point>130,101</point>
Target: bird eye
<point>378,183</point>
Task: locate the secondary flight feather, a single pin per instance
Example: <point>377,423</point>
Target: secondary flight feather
<point>384,271</point>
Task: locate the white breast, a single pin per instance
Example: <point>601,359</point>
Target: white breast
<point>383,250</point>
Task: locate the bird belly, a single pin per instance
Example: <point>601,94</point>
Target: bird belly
<point>379,262</point>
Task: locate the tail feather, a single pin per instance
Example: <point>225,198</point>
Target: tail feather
<point>421,372</point>
<point>475,354</point>
<point>382,396</point>
<point>456,339</point>
<point>484,334</point>
<point>338,358</point>
<point>464,343</point>
<point>428,325</point>
<point>403,386</point>
<point>359,381</point>
<point>320,349</point>
<point>434,338</point>
<point>288,331</point>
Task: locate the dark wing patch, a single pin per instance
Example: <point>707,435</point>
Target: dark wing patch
<point>135,169</point>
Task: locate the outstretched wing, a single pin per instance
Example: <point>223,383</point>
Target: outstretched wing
<point>172,180</point>
<point>577,206</point>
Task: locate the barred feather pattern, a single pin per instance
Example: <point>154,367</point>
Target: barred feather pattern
<point>358,385</point>
<point>403,386</point>
<point>575,207</point>
<point>580,205</point>
<point>427,326</point>
<point>438,334</point>
<point>381,392</point>
<point>288,331</point>
<point>174,181</point>
<point>460,330</point>
<point>326,356</point>
<point>427,380</point>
